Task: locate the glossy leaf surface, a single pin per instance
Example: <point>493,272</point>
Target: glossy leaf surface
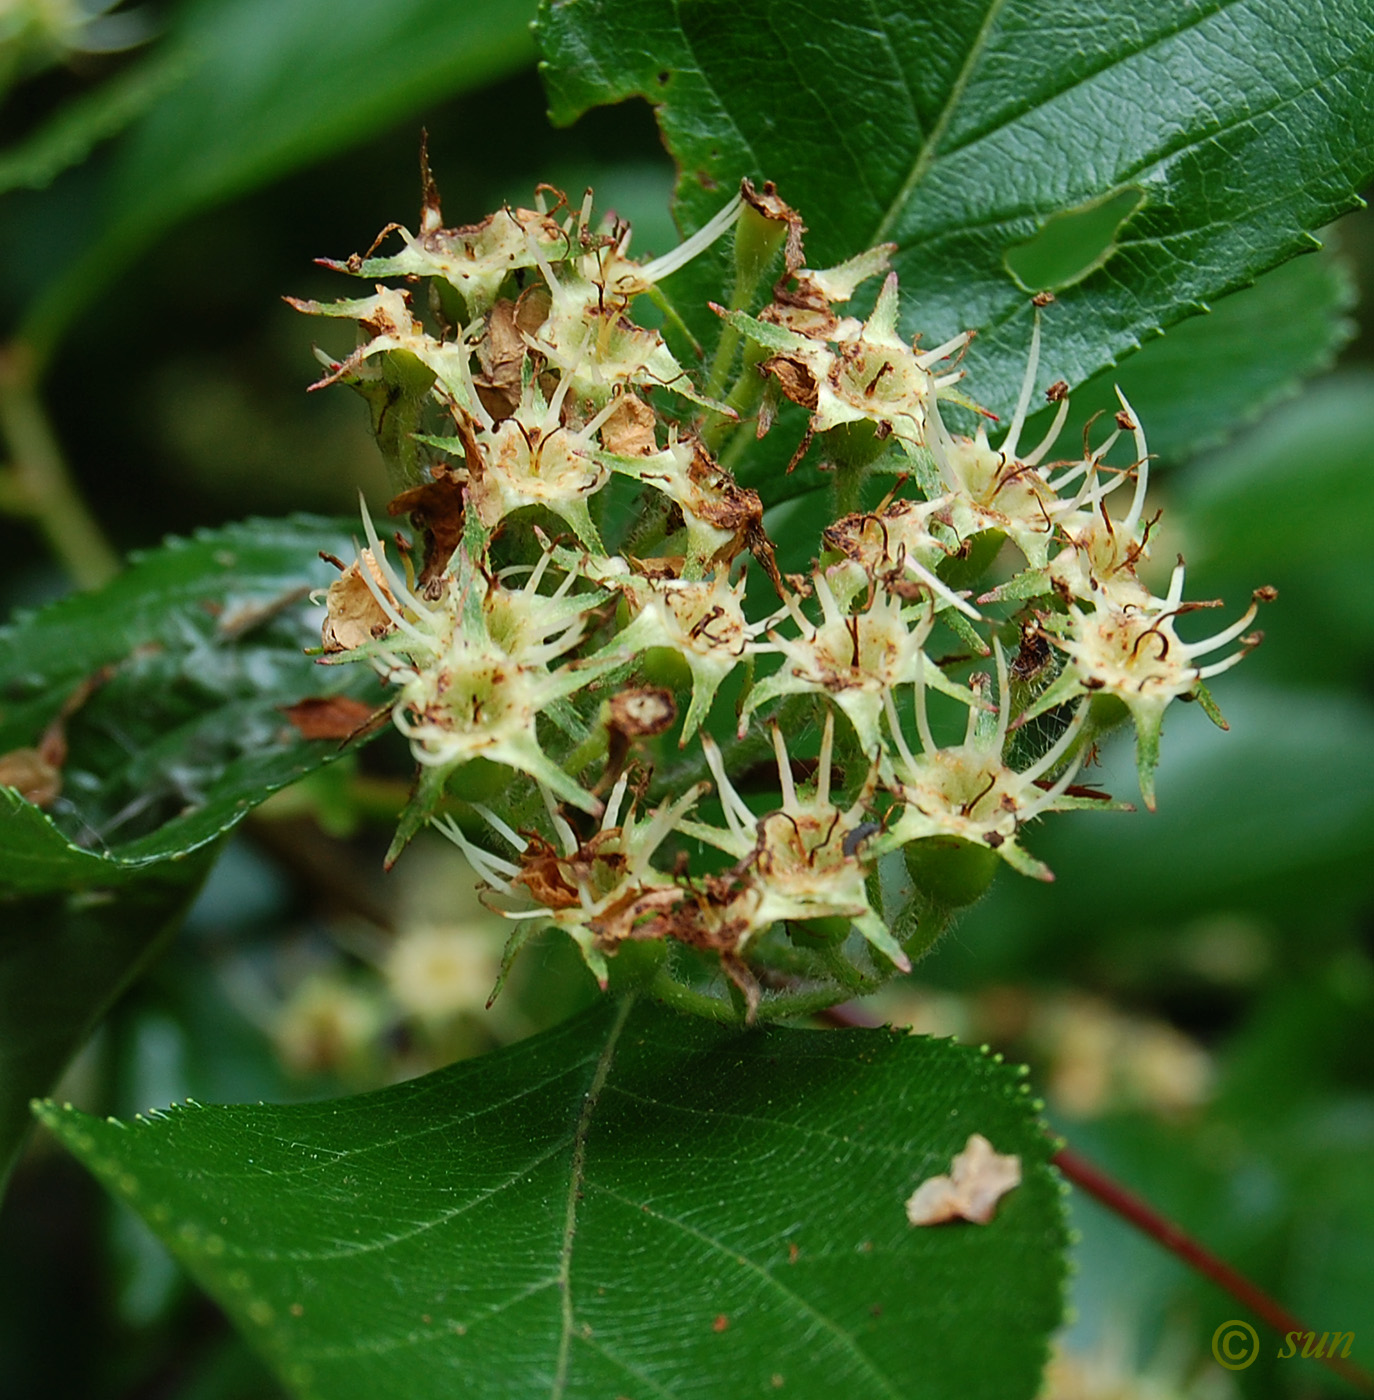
<point>625,1205</point>
<point>1210,376</point>
<point>966,132</point>
<point>190,657</point>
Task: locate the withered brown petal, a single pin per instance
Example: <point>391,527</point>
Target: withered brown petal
<point>629,431</point>
<point>770,205</point>
<point>501,350</point>
<point>354,616</point>
<point>642,712</point>
<point>794,379</point>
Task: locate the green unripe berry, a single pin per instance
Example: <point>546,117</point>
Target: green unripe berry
<point>966,569</point>
<point>949,871</point>
<point>480,780</point>
<point>664,667</point>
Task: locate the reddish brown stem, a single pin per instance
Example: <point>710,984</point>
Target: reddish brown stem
<point>1159,1228</point>
<point>1145,1218</point>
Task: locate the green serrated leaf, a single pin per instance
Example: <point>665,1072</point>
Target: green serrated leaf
<point>630,1204</point>
<point>195,648</point>
<point>193,652</point>
<point>961,131</point>
<point>1213,374</point>
<point>69,136</point>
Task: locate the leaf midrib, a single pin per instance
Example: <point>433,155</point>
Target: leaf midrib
<point>925,157</point>
<point>576,1177</point>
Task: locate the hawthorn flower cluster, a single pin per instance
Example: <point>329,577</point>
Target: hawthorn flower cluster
<point>574,599</point>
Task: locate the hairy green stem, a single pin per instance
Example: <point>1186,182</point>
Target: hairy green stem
<point>921,925</point>
<point>784,1006</point>
<point>723,357</point>
<point>673,317</point>
<point>588,751</point>
<point>847,490</point>
<point>743,399</point>
<point>692,1003</point>
<point>847,975</point>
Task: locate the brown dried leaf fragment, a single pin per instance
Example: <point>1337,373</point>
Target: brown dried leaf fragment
<point>723,504</point>
<point>644,913</point>
<point>545,873</point>
<point>355,616</point>
<point>978,1178</point>
<point>37,772</point>
<point>36,779</point>
<point>436,510</point>
<point>334,717</point>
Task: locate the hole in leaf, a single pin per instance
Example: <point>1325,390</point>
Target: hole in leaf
<point>1073,243</point>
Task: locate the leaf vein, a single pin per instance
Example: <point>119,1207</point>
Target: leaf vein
<point>926,155</point>
<point>352,1154</point>
<point>841,129</point>
<point>383,1346</point>
<point>715,1112</point>
<point>827,1324</point>
<point>371,1246</point>
<point>576,1179</point>
<point>1110,61</point>
<point>628,1367</point>
<point>897,66</point>
<point>711,88</point>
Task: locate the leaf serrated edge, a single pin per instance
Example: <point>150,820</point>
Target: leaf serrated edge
<point>252,530</point>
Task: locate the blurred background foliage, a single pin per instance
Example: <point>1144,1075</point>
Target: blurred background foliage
<point>1194,993</point>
